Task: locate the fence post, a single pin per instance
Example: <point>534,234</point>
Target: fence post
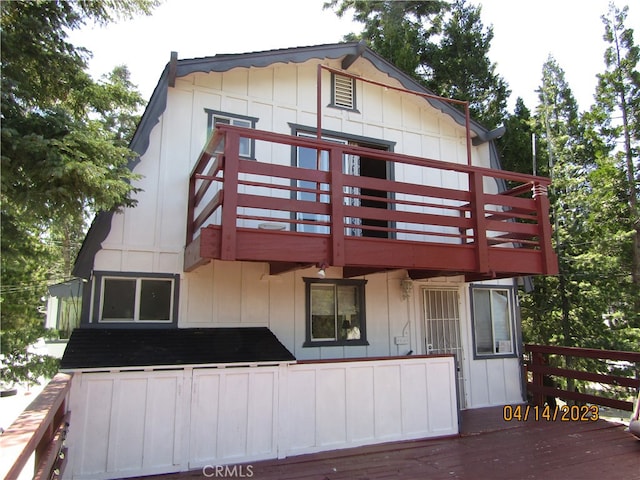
<point>191,208</point>
<point>538,360</point>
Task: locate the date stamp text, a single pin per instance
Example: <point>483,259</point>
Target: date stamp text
<point>562,413</point>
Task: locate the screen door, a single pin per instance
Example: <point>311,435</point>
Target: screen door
<point>442,329</point>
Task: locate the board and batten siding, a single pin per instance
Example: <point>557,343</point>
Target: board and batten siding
<point>232,294</point>
<point>151,236</point>
<point>490,381</point>
<point>137,423</point>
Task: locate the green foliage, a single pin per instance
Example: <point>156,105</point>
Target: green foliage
<point>64,156</point>
<point>445,46</point>
<point>458,65</point>
<point>616,116</point>
<point>516,147</point>
<point>594,301</point>
<point>397,30</point>
<point>19,364</point>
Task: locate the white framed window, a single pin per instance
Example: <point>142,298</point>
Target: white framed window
<point>493,314</point>
<point>122,298</point>
<point>215,117</point>
<point>335,312</point>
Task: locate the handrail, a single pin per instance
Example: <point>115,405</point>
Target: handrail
<point>221,130</point>
<point>222,182</point>
<point>538,364</point>
<point>40,429</point>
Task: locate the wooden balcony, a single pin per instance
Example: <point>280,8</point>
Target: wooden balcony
<point>265,210</point>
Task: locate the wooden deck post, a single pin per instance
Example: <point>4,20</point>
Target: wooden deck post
<point>230,186</point>
<point>476,189</point>
<point>337,207</point>
<point>191,208</point>
<point>549,261</point>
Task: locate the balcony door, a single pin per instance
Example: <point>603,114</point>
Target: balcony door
<point>352,165</point>
<point>372,168</point>
<point>309,158</point>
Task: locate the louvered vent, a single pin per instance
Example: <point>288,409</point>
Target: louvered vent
<point>343,91</point>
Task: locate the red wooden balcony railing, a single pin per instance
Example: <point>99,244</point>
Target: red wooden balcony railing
<point>540,366</point>
<point>448,219</point>
<point>40,429</point>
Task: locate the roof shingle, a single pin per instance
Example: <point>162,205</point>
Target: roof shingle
<point>91,348</point>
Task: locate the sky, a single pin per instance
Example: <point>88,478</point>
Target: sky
<point>526,32</point>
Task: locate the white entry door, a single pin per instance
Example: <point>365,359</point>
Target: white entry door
<point>442,329</point>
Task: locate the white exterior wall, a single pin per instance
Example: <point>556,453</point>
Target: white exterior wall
<point>151,237</point>
<point>232,294</point>
<point>487,381</point>
<point>134,423</point>
<point>243,294</point>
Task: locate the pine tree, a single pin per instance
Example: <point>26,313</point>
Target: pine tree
<point>444,46</point>
<point>397,30</point>
<point>517,145</point>
<point>617,111</point>
<point>458,66</point>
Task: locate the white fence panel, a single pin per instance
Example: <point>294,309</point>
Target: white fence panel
<point>234,415</point>
<point>346,404</point>
<point>148,422</point>
<point>130,424</point>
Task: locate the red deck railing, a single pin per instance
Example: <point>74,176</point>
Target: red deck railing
<point>40,429</point>
<point>442,217</point>
<point>541,365</point>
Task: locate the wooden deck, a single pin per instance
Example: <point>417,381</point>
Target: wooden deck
<point>488,448</point>
<point>291,217</point>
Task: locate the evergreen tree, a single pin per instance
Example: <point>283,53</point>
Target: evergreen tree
<point>397,30</point>
<point>444,46</point>
<point>617,113</point>
<point>591,302</point>
<point>458,66</point>
<point>63,155</point>
<point>517,145</point>
<point>547,310</point>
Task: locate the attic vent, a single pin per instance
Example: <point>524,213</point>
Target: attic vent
<point>344,92</point>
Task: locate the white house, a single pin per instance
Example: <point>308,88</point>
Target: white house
<point>317,220</point>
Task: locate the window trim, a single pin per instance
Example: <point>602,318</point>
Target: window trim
<point>212,114</point>
<point>333,103</point>
<point>360,284</point>
<point>98,297</point>
<point>512,320</point>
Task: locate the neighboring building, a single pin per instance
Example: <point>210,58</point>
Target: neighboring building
<point>63,306</point>
<point>361,282</point>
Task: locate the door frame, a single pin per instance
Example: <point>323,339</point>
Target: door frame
<point>350,139</point>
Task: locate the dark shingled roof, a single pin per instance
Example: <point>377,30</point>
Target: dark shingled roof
<point>90,348</point>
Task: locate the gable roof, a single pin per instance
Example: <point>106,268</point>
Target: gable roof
<point>99,348</point>
<point>348,51</point>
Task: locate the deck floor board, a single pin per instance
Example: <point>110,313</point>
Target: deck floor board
<point>488,447</point>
